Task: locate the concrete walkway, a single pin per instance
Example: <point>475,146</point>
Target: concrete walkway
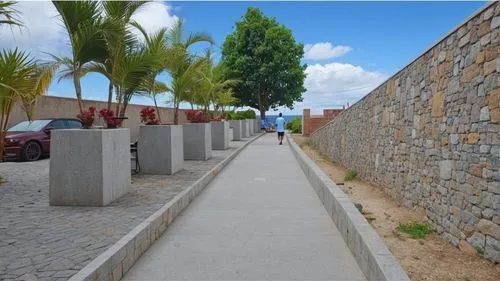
<point>258,220</point>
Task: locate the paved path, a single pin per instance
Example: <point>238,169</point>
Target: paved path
<point>258,220</point>
<point>42,242</point>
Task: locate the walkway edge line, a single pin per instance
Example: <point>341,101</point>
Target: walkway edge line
<point>372,255</point>
<point>116,261</point>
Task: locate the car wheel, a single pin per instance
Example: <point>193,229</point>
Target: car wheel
<point>31,151</point>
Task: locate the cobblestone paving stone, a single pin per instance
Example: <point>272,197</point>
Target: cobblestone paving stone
<point>42,242</point>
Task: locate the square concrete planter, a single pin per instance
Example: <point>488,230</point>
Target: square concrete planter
<point>160,149</point>
<point>250,127</point>
<point>237,126</point>
<point>197,141</point>
<point>246,128</point>
<point>230,134</point>
<point>89,167</point>
<point>258,125</point>
<point>220,131</point>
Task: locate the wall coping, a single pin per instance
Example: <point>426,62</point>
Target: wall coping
<point>372,255</point>
<point>441,39</point>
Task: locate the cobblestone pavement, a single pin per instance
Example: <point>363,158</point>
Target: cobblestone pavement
<point>42,242</point>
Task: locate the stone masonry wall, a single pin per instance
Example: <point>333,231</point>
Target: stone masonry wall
<point>430,135</point>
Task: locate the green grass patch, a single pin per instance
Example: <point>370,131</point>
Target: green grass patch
<point>350,175</point>
<point>479,251</point>
<point>467,279</point>
<point>415,230</point>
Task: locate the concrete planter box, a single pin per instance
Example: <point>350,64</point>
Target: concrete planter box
<point>160,149</point>
<point>245,129</point>
<point>237,126</point>
<point>231,134</point>
<point>220,131</point>
<point>258,125</point>
<point>89,167</point>
<point>250,127</point>
<point>197,141</point>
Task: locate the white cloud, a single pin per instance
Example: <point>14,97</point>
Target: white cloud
<point>324,50</point>
<point>43,30</point>
<point>336,84</point>
<point>154,16</point>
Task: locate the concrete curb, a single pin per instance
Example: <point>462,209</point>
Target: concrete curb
<point>369,250</point>
<point>114,263</point>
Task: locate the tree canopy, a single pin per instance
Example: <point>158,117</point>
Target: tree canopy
<point>264,56</point>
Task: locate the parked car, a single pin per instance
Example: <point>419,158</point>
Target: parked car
<point>29,140</point>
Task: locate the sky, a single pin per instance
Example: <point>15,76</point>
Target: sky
<point>350,47</point>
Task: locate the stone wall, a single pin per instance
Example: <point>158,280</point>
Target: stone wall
<point>59,107</point>
<point>430,135</point>
<point>310,123</point>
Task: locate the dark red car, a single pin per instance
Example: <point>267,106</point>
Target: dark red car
<point>29,140</point>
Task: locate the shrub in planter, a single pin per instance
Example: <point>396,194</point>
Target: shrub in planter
<point>109,118</point>
<point>87,117</point>
<point>234,116</point>
<point>197,116</point>
<point>247,114</point>
<point>148,116</point>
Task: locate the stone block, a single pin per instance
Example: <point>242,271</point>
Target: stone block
<point>438,104</point>
<point>237,126</point>
<point>89,167</point>
<point>445,168</point>
<point>197,139</point>
<point>230,134</point>
<point>484,114</point>
<point>489,228</point>
<point>220,131</point>
<point>494,99</point>
<point>161,149</point>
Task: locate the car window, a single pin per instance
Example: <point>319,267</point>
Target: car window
<point>73,124</point>
<point>27,126</point>
<point>57,124</point>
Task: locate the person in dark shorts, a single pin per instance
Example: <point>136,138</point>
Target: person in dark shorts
<point>280,128</point>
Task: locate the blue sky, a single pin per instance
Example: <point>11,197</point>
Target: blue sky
<point>351,47</point>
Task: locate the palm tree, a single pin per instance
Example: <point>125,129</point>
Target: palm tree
<point>152,89</point>
<point>21,79</point>
<point>183,67</point>
<point>223,99</point>
<point>9,15</point>
<point>86,29</point>
<point>119,15</point>
<point>135,67</point>
<point>215,88</point>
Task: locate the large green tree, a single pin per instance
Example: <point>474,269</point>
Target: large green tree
<point>264,56</point>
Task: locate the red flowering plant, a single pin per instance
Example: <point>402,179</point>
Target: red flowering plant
<point>87,117</point>
<point>109,118</point>
<point>148,116</point>
<point>197,116</point>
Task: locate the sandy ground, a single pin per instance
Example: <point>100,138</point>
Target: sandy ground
<point>429,259</point>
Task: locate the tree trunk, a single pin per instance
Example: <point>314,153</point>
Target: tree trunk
<point>176,115</point>
<point>262,114</point>
<point>110,94</point>
<point>118,100</point>
<point>3,126</point>
<point>78,90</point>
<point>157,109</point>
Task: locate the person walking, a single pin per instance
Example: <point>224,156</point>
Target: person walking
<point>280,128</point>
